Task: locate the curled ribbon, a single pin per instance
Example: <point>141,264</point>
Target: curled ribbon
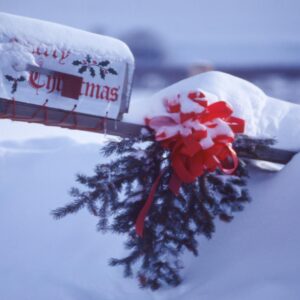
<point>199,137</point>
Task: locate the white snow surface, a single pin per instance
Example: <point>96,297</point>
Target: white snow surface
<point>15,57</point>
<point>264,115</point>
<point>256,256</point>
<point>38,33</point>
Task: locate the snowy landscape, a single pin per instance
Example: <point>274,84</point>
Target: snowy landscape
<point>253,257</point>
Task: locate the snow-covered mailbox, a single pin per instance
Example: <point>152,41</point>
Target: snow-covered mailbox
<point>61,76</point>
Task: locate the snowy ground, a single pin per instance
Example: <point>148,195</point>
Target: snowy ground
<point>254,257</point>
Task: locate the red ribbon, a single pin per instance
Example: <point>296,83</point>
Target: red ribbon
<point>139,225</point>
<point>182,133</point>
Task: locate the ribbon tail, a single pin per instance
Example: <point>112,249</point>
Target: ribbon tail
<point>140,222</point>
<point>235,162</point>
<point>174,184</point>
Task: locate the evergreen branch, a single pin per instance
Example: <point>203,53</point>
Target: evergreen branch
<point>70,208</point>
<point>117,191</point>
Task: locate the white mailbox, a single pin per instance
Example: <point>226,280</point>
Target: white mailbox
<point>61,76</point>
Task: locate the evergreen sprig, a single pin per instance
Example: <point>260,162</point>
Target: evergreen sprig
<point>120,188</point>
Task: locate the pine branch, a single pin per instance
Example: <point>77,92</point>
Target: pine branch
<point>117,191</point>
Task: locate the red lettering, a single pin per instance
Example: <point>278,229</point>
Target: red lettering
<point>114,94</point>
<point>90,89</point>
<point>34,81</point>
<point>105,93</point>
<point>97,91</point>
<point>64,55</point>
<point>53,84</point>
<point>59,84</point>
<point>54,54</point>
<point>36,51</point>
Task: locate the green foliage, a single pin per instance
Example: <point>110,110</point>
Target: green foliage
<point>117,191</point>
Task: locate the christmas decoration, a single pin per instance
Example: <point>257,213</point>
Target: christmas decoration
<point>89,64</point>
<point>162,189</point>
<point>15,82</point>
<point>199,137</point>
<point>142,167</point>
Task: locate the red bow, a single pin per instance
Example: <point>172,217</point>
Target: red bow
<point>199,137</point>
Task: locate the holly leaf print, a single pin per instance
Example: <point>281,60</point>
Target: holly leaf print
<point>102,73</point>
<point>112,71</point>
<point>88,58</point>
<point>77,62</point>
<point>21,78</point>
<point>104,63</point>
<point>92,72</point>
<point>14,87</point>
<point>9,78</point>
<point>82,69</point>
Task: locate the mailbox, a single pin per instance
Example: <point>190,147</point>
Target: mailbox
<point>61,76</point>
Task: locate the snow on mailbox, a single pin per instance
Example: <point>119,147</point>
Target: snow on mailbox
<point>61,76</point>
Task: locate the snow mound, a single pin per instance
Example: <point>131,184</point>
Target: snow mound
<point>253,257</point>
<point>14,58</point>
<point>38,32</point>
<point>265,116</point>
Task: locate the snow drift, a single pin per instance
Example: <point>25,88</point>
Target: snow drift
<point>63,37</point>
<point>265,116</point>
<point>254,257</point>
